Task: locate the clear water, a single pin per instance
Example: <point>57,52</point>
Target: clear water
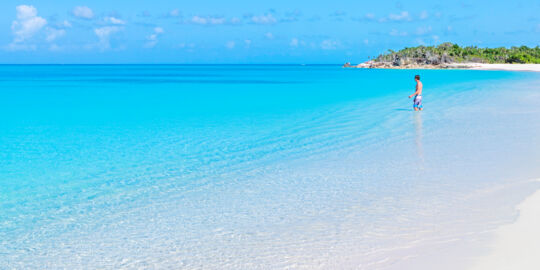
<point>255,167</point>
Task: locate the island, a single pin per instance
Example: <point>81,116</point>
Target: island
<point>450,55</point>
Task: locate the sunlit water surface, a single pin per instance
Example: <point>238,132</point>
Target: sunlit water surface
<point>258,167</point>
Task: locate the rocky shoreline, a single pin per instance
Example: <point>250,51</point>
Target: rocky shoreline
<point>449,55</point>
<point>395,61</point>
<point>387,65</point>
<point>471,66</point>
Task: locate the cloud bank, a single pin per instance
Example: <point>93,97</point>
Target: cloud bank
<point>104,35</point>
<point>27,23</point>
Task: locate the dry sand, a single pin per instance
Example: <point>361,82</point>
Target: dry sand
<point>511,67</point>
<point>517,245</point>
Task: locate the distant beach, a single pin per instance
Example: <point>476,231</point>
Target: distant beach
<point>452,56</point>
<point>469,66</point>
<point>508,67</point>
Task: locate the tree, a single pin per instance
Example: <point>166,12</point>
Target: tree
<point>426,54</point>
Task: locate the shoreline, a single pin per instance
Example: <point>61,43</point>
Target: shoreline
<point>464,66</point>
<point>505,67</point>
<point>516,245</point>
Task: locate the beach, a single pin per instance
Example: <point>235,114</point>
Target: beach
<point>508,67</point>
<point>468,66</point>
<point>516,245</point>
<point>267,167</point>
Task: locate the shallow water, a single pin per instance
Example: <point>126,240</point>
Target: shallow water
<point>242,167</point>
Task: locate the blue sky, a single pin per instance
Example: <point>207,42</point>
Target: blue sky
<point>212,31</point>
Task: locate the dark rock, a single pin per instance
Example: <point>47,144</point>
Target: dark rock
<point>446,59</point>
<point>397,60</point>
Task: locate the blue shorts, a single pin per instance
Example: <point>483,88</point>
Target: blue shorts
<point>417,102</point>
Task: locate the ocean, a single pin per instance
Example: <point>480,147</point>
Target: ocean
<point>259,166</point>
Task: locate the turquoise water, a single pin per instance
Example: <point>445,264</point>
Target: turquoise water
<point>242,167</point>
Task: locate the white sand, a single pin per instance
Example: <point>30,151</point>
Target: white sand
<point>511,67</point>
<point>517,245</point>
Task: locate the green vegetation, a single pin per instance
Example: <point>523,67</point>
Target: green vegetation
<point>453,53</point>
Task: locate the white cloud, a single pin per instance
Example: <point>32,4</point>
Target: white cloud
<point>294,42</point>
<point>26,25</point>
<point>423,15</point>
<point>403,16</point>
<point>25,12</point>
<point>230,45</point>
<point>269,35</point>
<point>247,42</point>
<point>366,41</point>
<point>366,17</point>
<point>263,19</point>
<point>152,39</point>
<point>113,20</point>
<point>83,12</point>
<point>106,31</point>
<point>198,20</point>
<point>174,13</point>
<point>212,20</point>
<point>329,44</point>
<point>370,16</point>
<point>104,34</point>
<point>58,31</point>
<point>217,20</point>
<point>207,20</point>
<point>397,33</point>
<point>292,16</point>
<point>53,33</point>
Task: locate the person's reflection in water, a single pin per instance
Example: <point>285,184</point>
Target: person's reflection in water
<point>418,138</point>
